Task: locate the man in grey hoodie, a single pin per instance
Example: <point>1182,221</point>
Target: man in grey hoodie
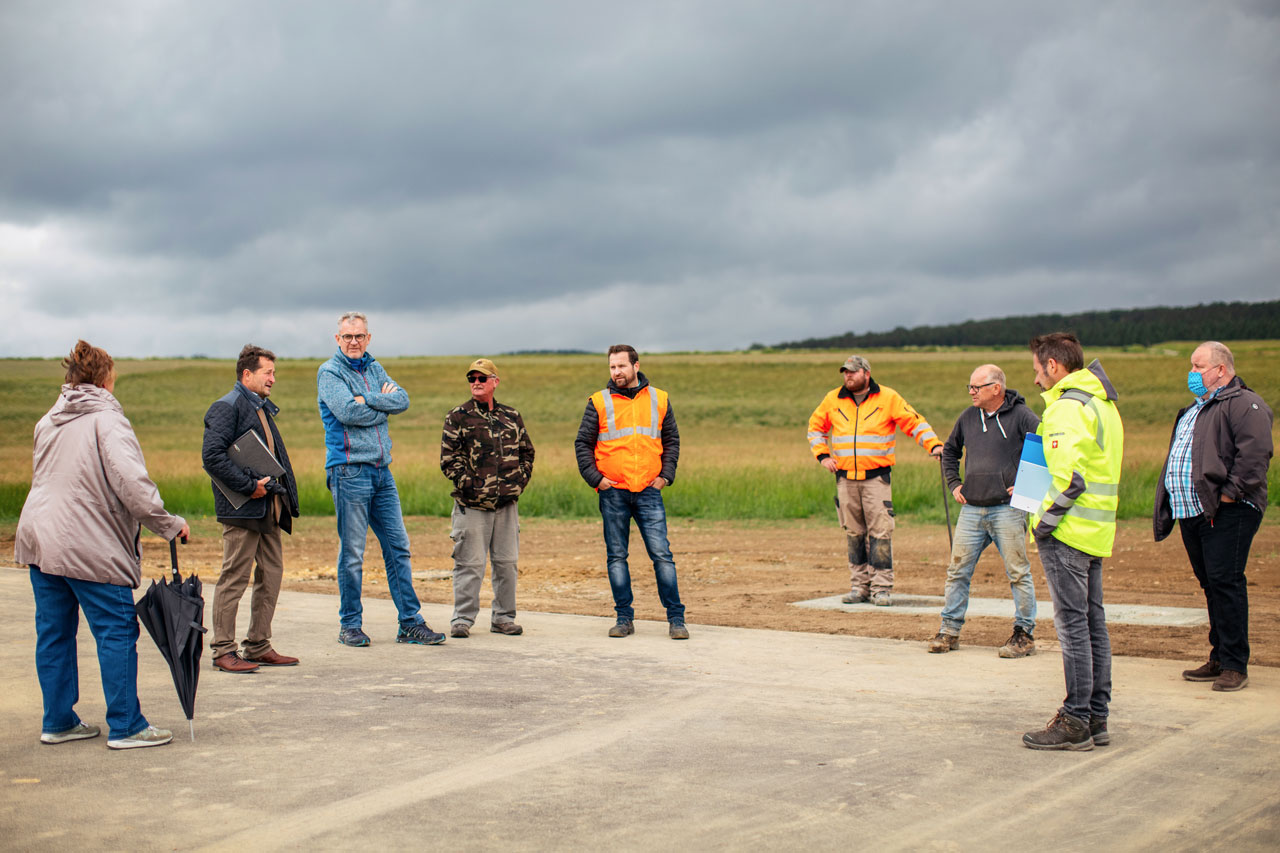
<point>990,435</point>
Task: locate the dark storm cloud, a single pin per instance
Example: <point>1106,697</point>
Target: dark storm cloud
<point>743,171</point>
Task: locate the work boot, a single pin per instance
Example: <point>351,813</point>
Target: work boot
<point>942,643</point>
<point>511,629</point>
<point>1063,732</point>
<point>460,631</point>
<point>1098,731</point>
<point>1230,681</point>
<point>1019,645</point>
<point>882,599</point>
<point>1207,671</point>
<point>623,628</point>
<point>676,630</point>
<point>855,597</point>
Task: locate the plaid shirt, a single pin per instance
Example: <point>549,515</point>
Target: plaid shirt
<point>1177,479</point>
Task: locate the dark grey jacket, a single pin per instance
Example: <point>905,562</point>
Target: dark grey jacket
<point>992,445</point>
<point>1230,453</point>
<point>589,430</point>
<point>227,419</point>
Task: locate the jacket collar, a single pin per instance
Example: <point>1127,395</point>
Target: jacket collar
<point>257,402</point>
<point>873,387</point>
<point>630,392</point>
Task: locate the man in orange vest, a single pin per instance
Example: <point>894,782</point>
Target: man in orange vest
<point>851,434</point>
<point>627,448</point>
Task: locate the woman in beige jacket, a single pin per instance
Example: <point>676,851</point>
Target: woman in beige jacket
<point>79,533</point>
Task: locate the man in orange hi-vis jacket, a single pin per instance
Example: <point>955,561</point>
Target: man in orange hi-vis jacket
<point>627,449</point>
<point>851,434</point>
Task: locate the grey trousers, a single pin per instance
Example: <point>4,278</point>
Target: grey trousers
<point>240,549</point>
<point>478,534</point>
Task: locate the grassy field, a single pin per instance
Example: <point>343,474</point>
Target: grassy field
<point>742,419</point>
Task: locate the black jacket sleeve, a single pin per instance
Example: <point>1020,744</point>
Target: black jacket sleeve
<point>951,450</point>
<point>584,446</point>
<point>670,445</point>
<point>219,433</point>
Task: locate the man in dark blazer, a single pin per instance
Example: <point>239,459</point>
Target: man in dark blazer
<point>250,532</point>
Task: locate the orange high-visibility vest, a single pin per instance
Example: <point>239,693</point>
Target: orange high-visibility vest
<point>629,446</point>
<point>860,438</point>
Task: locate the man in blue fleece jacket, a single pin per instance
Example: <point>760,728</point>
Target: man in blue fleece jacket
<point>356,398</point>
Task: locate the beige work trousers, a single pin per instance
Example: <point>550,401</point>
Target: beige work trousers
<point>866,514</point>
<point>241,548</point>
<point>479,535</point>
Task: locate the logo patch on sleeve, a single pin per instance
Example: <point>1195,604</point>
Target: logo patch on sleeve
<point>1055,444</point>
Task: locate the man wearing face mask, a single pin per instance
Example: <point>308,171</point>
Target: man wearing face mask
<point>851,434</point>
<point>1215,484</point>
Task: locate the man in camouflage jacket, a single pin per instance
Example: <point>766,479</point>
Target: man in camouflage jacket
<point>486,452</point>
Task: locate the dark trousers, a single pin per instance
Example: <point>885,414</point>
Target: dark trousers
<point>1218,551</point>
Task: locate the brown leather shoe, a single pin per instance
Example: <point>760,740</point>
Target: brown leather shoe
<point>273,658</point>
<point>460,631</point>
<point>232,662</point>
<point>511,629</point>
<point>1207,671</point>
<point>1231,681</point>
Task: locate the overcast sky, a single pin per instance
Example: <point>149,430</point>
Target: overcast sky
<point>481,177</point>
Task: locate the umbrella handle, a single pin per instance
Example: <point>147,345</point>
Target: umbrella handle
<point>173,557</point>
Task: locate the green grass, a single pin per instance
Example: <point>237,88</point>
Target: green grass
<point>742,420</point>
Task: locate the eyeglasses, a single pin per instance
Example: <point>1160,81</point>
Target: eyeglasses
<point>473,378</point>
<point>974,389</point>
<point>352,339</point>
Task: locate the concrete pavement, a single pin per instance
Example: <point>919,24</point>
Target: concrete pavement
<point>564,738</point>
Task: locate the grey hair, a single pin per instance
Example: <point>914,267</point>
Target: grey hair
<point>1219,354</point>
<point>995,374</point>
<point>353,315</point>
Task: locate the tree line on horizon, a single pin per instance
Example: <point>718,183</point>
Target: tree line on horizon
<point>1121,327</point>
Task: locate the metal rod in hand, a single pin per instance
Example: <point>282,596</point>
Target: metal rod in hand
<point>946,504</point>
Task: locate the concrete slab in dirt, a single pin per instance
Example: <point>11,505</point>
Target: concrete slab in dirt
<point>566,739</point>
<point>931,605</point>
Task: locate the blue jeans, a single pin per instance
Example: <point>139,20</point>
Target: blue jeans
<point>976,528</point>
<point>365,498</point>
<point>1075,582</point>
<point>109,611</point>
<point>617,508</point>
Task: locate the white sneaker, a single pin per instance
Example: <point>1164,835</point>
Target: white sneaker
<point>150,736</point>
<point>77,732</point>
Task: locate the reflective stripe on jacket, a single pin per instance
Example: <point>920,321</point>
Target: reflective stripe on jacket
<point>629,445</point>
<point>1083,447</point>
<point>861,437</point>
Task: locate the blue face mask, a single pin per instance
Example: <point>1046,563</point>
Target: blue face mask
<point>1195,383</point>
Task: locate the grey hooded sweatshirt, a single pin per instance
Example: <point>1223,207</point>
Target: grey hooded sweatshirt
<point>89,493</point>
<point>992,446</point>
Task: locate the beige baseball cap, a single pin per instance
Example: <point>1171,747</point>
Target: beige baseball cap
<point>854,363</point>
<point>483,365</point>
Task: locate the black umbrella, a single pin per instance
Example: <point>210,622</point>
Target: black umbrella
<point>173,613</point>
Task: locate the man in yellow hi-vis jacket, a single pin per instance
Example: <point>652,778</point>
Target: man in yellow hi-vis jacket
<point>851,434</point>
<point>1074,530</point>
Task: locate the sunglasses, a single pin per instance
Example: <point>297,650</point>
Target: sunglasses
<point>473,378</point>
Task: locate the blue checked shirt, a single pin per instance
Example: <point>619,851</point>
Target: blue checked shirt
<point>1177,479</point>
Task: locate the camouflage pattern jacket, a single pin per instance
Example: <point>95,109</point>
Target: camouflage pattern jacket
<point>486,453</point>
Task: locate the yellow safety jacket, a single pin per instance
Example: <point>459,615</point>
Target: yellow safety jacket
<point>1083,448</point>
<point>629,446</point>
<point>861,437</point>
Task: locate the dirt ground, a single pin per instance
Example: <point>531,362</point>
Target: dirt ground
<point>747,575</point>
